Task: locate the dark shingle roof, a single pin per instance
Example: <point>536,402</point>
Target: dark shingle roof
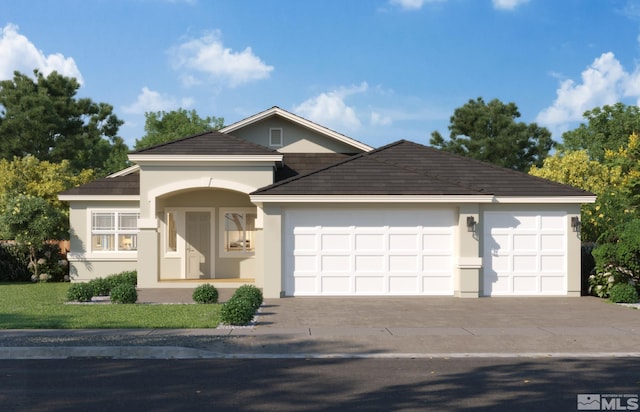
<point>295,164</point>
<point>207,143</point>
<point>127,185</point>
<point>407,168</point>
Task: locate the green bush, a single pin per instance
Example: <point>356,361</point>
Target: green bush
<point>251,293</point>
<point>623,293</point>
<point>80,292</point>
<point>237,311</point>
<point>14,261</point>
<point>205,294</point>
<point>127,278</point>
<point>600,283</point>
<point>101,286</point>
<point>124,293</point>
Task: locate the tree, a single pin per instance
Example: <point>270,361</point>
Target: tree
<point>30,221</point>
<point>45,119</point>
<point>164,126</point>
<point>489,132</point>
<point>40,178</point>
<point>608,127</point>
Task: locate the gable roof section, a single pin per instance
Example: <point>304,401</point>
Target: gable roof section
<point>211,143</point>
<point>405,168</point>
<point>276,111</point>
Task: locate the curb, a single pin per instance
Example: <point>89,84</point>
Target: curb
<point>175,352</point>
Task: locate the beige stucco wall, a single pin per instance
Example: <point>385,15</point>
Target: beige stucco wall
<point>200,187</point>
<point>85,265</point>
<point>296,139</point>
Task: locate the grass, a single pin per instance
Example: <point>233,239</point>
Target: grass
<point>42,306</point>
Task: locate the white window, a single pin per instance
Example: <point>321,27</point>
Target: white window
<point>172,232</point>
<point>238,231</point>
<point>275,137</point>
<point>114,231</point>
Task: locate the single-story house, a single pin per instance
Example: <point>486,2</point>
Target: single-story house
<point>297,209</point>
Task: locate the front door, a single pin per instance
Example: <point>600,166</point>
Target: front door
<point>198,245</point>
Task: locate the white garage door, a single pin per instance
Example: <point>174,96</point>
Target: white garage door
<point>525,253</point>
<point>368,252</point>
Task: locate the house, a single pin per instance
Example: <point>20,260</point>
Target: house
<point>298,209</point>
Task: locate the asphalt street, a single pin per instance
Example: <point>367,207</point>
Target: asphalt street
<point>518,384</point>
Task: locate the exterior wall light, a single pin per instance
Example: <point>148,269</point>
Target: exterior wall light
<point>471,224</point>
<point>575,224</point>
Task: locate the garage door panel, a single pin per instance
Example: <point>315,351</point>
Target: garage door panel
<point>306,285</point>
<point>334,263</point>
<point>336,284</point>
<point>369,241</point>
<point>371,263</point>
<point>371,252</point>
<point>525,253</point>
<point>370,285</point>
<point>335,242</point>
<point>403,241</point>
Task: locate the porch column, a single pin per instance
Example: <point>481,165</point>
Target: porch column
<point>272,267</point>
<point>469,264</point>
<point>148,253</point>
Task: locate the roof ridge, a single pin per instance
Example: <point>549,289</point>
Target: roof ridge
<point>426,174</point>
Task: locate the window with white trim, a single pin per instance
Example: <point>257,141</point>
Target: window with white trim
<point>238,227</point>
<point>275,137</point>
<point>114,231</point>
<point>172,232</point>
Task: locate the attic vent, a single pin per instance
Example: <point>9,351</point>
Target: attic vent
<point>275,137</point>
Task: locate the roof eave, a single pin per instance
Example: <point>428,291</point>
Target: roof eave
<point>257,198</point>
<point>95,198</point>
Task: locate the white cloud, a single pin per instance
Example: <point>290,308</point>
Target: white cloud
<point>378,119</point>
<point>18,53</point>
<point>152,101</point>
<point>605,81</point>
<point>412,4</point>
<point>330,109</point>
<point>508,4</point>
<point>207,55</point>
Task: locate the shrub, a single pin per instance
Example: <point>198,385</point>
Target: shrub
<point>101,286</point>
<point>127,277</point>
<point>237,311</point>
<point>80,292</point>
<point>600,283</point>
<point>124,293</point>
<point>14,261</point>
<point>250,293</point>
<point>623,293</point>
<point>205,294</point>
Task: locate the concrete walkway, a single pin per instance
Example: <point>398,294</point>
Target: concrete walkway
<point>367,327</point>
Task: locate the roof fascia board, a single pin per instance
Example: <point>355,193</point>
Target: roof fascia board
<point>125,172</point>
<point>545,199</point>
<point>186,159</point>
<point>371,199</point>
<point>101,198</point>
<point>296,119</point>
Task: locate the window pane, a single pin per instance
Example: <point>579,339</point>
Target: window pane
<point>128,221</point>
<point>250,228</point>
<point>172,234</point>
<point>128,242</point>
<point>102,242</point>
<point>233,231</point>
<point>103,221</point>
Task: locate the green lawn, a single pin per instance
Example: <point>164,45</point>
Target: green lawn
<point>42,306</point>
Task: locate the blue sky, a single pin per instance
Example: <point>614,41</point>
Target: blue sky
<point>377,70</point>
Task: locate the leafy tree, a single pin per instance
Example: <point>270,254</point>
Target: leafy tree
<point>608,127</point>
<point>45,119</point>
<point>163,126</point>
<point>30,176</point>
<point>30,221</point>
<point>489,132</point>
